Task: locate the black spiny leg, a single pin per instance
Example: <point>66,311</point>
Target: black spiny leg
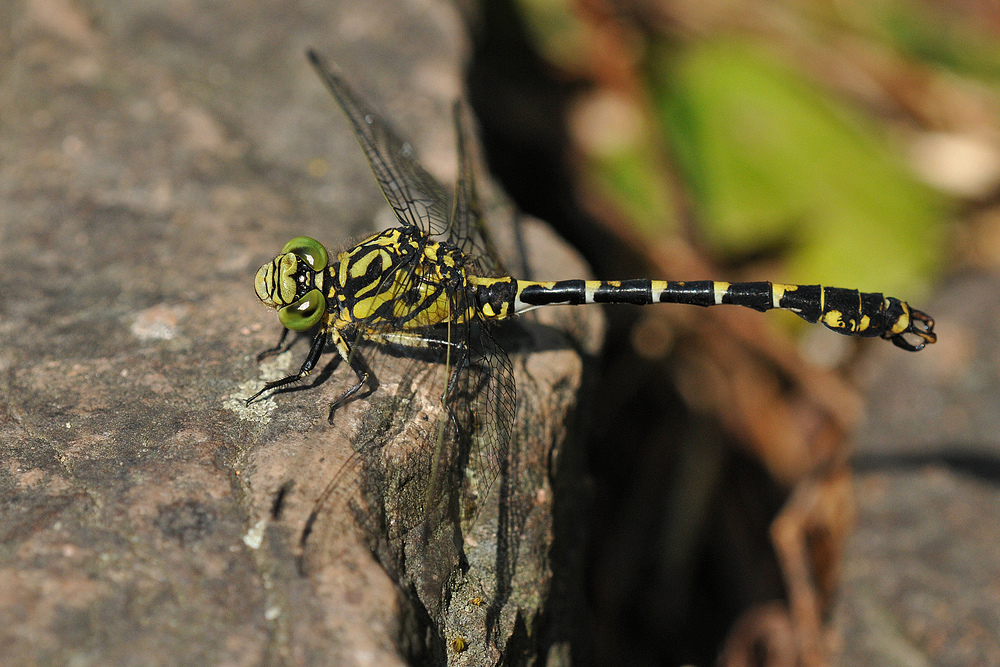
<point>364,375</point>
<point>361,371</point>
<point>277,349</point>
<point>453,385</point>
<point>315,352</point>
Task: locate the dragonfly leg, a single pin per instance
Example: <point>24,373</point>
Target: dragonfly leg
<point>277,349</point>
<point>361,371</point>
<point>456,374</point>
<point>314,354</point>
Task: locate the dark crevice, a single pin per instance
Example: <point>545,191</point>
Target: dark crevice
<point>278,505</point>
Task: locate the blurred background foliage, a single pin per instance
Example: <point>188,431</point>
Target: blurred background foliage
<point>772,162</point>
<point>804,141</point>
<point>851,143</point>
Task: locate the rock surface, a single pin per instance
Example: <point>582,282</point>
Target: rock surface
<point>921,581</point>
<point>154,155</point>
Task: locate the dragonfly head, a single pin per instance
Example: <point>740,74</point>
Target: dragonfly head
<point>289,283</point>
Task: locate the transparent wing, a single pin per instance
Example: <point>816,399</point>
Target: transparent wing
<point>489,383</point>
<point>416,197</point>
<point>472,378</point>
<point>396,489</point>
<point>448,389</point>
<point>468,230</point>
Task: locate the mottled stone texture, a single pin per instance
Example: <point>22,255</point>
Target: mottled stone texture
<point>152,155</point>
<point>921,581</point>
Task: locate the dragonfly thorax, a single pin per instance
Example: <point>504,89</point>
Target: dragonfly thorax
<point>400,278</point>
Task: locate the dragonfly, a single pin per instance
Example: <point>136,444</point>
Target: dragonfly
<point>434,285</point>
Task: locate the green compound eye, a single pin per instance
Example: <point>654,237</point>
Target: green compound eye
<point>309,249</point>
<point>304,313</point>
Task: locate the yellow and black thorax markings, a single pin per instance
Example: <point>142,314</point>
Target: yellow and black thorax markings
<point>400,279</point>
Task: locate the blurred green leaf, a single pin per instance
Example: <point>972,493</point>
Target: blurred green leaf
<point>556,30</point>
<point>630,176</point>
<point>936,34</point>
<point>770,160</point>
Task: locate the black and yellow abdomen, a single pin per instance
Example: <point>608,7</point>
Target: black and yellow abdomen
<point>845,311</point>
